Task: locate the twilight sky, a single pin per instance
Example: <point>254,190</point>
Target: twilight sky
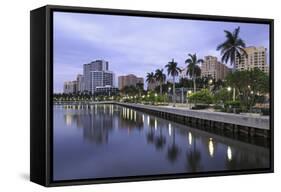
<point>137,45</point>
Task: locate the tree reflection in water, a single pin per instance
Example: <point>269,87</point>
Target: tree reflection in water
<point>193,156</point>
<point>173,150</point>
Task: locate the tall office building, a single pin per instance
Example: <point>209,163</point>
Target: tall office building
<point>128,80</point>
<point>212,67</point>
<point>256,58</point>
<point>96,74</point>
<point>80,83</point>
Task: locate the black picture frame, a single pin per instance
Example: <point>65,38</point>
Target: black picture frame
<point>41,83</point>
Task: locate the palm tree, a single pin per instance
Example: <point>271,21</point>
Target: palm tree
<point>160,77</point>
<point>173,70</point>
<point>231,48</point>
<point>150,77</point>
<point>193,70</point>
<point>139,87</point>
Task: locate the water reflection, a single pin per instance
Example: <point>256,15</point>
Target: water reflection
<point>229,154</point>
<point>211,147</point>
<point>93,141</point>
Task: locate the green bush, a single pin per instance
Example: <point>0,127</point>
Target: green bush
<point>233,107</point>
<point>232,104</point>
<point>222,95</point>
<point>203,96</point>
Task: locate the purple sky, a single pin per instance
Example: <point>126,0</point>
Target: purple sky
<point>137,44</point>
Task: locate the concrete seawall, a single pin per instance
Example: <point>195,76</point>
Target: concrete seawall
<point>238,123</point>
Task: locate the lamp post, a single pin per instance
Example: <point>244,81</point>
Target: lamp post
<point>188,93</point>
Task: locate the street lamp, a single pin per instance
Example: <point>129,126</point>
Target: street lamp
<point>228,89</point>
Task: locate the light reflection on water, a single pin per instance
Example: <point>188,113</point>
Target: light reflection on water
<point>112,141</point>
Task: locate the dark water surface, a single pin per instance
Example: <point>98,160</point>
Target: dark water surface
<point>113,141</point>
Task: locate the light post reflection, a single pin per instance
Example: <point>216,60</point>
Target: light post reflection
<point>211,147</point>
<point>170,129</point>
<point>189,138</point>
<point>229,153</point>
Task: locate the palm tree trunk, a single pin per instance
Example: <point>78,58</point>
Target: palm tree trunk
<point>234,69</point>
<point>174,92</point>
<point>194,85</point>
<point>161,88</point>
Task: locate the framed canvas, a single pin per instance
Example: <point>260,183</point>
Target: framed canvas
<point>123,95</point>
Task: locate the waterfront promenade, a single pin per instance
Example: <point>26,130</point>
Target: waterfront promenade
<point>248,124</point>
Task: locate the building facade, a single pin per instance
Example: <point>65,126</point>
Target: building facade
<point>106,90</point>
<point>70,87</point>
<point>80,83</point>
<point>129,80</point>
<point>211,67</point>
<point>256,58</point>
<point>96,74</point>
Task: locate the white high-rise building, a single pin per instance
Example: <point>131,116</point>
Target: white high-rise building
<point>96,74</point>
<point>256,58</point>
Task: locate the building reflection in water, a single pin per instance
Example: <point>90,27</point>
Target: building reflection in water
<point>170,139</point>
<point>96,126</point>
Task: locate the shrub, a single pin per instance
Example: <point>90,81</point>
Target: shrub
<point>222,95</point>
<point>203,96</point>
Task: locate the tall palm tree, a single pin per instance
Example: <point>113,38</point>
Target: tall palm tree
<point>193,70</point>
<point>160,77</point>
<point>139,87</point>
<point>231,48</point>
<point>150,78</point>
<point>173,70</point>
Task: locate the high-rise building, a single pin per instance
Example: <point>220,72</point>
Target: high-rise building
<point>128,80</point>
<point>80,83</point>
<point>96,74</point>
<point>70,87</point>
<point>211,67</point>
<point>256,58</point>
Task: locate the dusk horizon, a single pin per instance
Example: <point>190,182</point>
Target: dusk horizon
<point>137,45</point>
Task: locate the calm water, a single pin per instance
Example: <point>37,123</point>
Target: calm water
<point>113,141</point>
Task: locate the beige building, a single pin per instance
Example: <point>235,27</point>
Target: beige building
<point>212,67</point>
<point>256,58</point>
<point>128,80</point>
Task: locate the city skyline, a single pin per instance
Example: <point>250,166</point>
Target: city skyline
<point>137,45</point>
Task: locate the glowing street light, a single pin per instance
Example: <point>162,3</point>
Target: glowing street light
<point>228,89</point>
